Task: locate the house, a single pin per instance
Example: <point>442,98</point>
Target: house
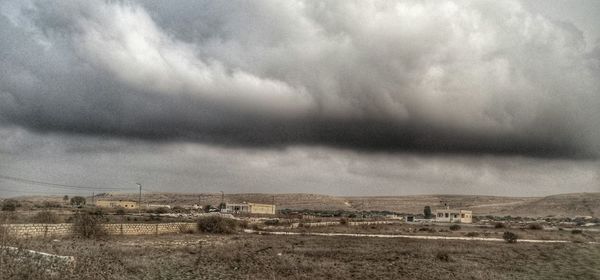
<point>453,216</point>
<point>249,208</point>
<point>117,204</point>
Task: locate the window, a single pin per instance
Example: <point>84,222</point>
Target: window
<point>446,215</point>
<point>462,215</point>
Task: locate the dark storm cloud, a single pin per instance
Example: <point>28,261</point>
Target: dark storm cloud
<point>453,77</point>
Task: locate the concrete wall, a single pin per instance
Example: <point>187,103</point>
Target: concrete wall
<point>61,230</point>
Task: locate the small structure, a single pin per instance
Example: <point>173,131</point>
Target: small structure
<point>156,206</point>
<point>249,208</point>
<point>453,216</point>
<point>117,204</point>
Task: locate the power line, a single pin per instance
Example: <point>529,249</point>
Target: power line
<point>54,185</point>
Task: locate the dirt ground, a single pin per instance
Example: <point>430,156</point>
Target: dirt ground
<point>250,256</point>
<point>464,230</point>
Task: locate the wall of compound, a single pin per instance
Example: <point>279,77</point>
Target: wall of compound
<point>61,230</point>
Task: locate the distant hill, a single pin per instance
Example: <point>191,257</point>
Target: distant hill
<point>563,205</point>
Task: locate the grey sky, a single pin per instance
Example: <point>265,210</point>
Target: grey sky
<point>338,97</point>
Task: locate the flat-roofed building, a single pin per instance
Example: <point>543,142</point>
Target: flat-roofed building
<point>117,204</point>
<point>453,216</point>
<point>249,208</point>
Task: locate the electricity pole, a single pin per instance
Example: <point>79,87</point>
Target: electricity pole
<point>222,200</point>
<point>140,199</point>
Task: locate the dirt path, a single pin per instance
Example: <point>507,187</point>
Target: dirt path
<point>407,236</point>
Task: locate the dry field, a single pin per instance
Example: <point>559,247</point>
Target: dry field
<point>524,232</point>
<point>563,205</point>
<point>249,256</point>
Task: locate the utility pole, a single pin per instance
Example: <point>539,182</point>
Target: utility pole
<point>222,200</point>
<point>140,199</point>
<point>93,202</point>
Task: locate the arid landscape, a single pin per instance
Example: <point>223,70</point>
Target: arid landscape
<point>251,256</point>
<point>336,238</point>
<point>303,139</point>
<point>563,205</point>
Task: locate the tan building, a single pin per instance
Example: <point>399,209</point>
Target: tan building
<point>453,216</point>
<point>250,208</point>
<point>117,204</point>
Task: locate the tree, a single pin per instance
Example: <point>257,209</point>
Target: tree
<point>10,205</point>
<point>66,198</point>
<point>78,201</point>
<point>207,208</point>
<point>222,206</point>
<point>427,212</point>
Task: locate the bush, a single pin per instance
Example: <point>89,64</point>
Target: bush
<point>499,225</point>
<point>344,221</point>
<point>535,227</point>
<point>46,217</point>
<point>510,237</point>
<point>272,222</point>
<point>10,205</point>
<point>454,227</point>
<point>88,224</point>
<point>217,224</point>
<point>472,234</point>
<point>576,231</point>
<point>426,229</point>
<point>162,210</point>
<point>442,256</point>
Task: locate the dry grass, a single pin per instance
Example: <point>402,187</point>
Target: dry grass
<point>246,256</point>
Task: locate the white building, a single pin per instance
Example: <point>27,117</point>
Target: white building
<point>453,216</point>
<point>251,208</point>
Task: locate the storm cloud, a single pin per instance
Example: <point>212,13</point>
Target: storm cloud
<point>419,76</point>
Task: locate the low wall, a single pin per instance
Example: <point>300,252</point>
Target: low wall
<point>334,223</point>
<point>61,230</point>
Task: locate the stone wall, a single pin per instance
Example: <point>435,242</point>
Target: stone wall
<point>61,230</point>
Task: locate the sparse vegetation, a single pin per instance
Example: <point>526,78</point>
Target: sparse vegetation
<point>78,201</point>
<point>510,237</point>
<point>535,227</point>
<point>218,224</point>
<point>87,224</point>
<point>576,231</point>
<point>10,205</point>
<point>427,212</point>
<point>499,225</point>
<point>442,256</point>
<point>46,217</point>
<point>305,257</point>
<point>455,227</point>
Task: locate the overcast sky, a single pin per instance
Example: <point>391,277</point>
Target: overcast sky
<point>333,97</point>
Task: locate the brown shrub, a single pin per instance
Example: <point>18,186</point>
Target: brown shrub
<point>454,227</point>
<point>217,224</point>
<point>499,225</point>
<point>510,237</point>
<point>46,217</point>
<point>535,227</point>
<point>443,256</point>
<point>88,224</point>
<point>472,234</point>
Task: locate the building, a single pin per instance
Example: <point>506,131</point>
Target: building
<point>249,208</point>
<point>453,216</point>
<point>117,204</point>
<point>156,206</point>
